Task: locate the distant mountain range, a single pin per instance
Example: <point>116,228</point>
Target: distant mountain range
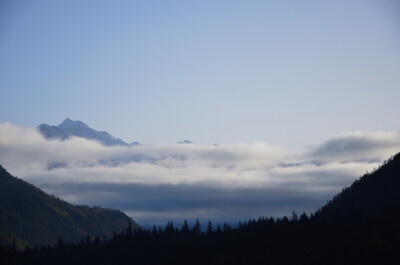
<point>69,128</point>
<point>28,216</point>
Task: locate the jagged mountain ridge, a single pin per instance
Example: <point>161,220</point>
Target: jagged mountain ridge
<point>69,128</point>
<point>29,216</point>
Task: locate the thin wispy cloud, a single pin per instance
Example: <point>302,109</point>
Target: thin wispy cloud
<point>155,183</point>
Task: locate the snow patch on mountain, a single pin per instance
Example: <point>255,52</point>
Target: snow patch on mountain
<point>69,128</point>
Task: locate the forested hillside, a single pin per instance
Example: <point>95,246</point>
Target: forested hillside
<point>28,216</point>
<point>373,193</point>
<point>293,240</point>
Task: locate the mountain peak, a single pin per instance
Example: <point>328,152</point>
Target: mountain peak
<point>68,123</point>
<point>69,128</point>
<point>185,142</point>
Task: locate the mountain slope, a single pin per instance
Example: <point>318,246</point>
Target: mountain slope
<point>372,194</point>
<point>30,216</point>
<point>69,128</point>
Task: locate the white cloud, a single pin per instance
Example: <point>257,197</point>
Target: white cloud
<point>262,175</point>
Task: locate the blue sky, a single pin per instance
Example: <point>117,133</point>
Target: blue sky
<point>291,73</point>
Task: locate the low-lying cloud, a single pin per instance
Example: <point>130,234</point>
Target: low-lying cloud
<point>156,183</point>
<point>361,146</point>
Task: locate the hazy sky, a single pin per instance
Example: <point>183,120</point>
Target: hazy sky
<point>289,73</point>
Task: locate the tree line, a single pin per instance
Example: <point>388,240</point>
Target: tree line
<point>351,239</point>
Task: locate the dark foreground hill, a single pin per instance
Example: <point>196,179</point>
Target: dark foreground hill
<point>28,216</point>
<point>372,194</point>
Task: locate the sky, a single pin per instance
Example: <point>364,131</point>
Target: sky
<point>290,73</point>
<point>300,96</point>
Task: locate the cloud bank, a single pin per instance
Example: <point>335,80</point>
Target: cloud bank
<point>156,183</point>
